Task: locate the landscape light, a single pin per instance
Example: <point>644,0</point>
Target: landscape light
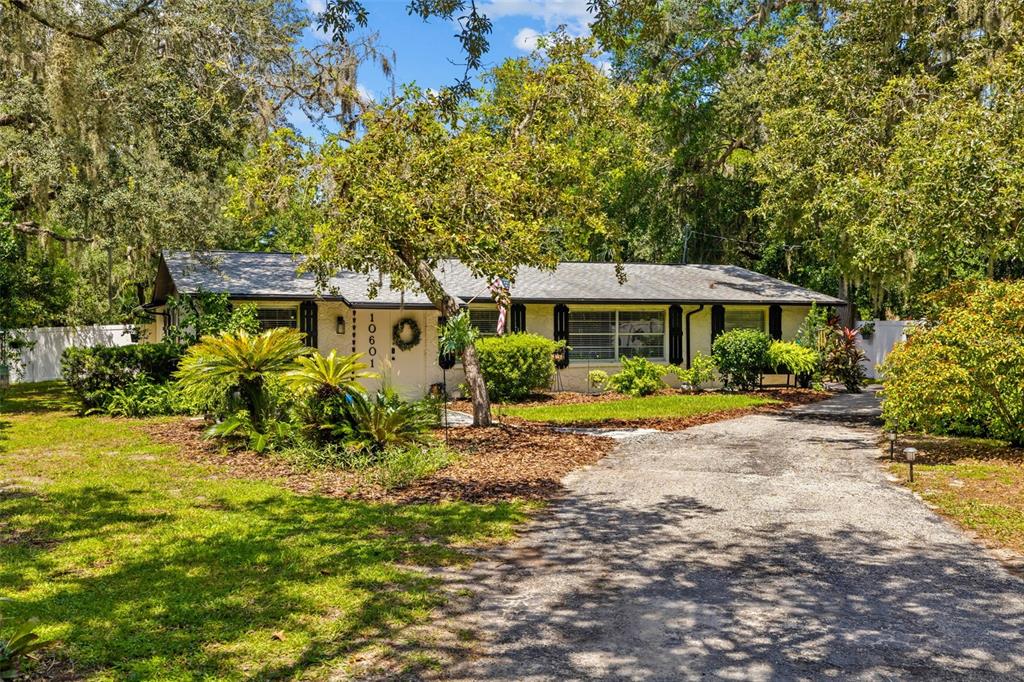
<point>892,445</point>
<point>910,454</point>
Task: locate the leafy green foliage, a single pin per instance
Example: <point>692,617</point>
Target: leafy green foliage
<point>457,334</point>
<point>241,363</point>
<point>207,314</point>
<point>702,370</point>
<point>793,358</point>
<point>597,378</point>
<point>965,374</point>
<point>638,377</point>
<point>15,647</point>
<point>143,398</point>
<point>332,374</point>
<point>741,355</point>
<point>397,467</point>
<point>843,359</point>
<point>93,374</point>
<point>514,365</point>
<point>383,421</point>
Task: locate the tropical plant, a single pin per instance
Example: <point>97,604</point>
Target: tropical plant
<point>142,398</point>
<point>382,421</point>
<point>329,375</point>
<point>963,374</point>
<point>638,377</point>
<point>241,363</point>
<point>741,355</point>
<point>15,648</point>
<point>457,334</point>
<point>514,365</point>
<point>844,358</point>
<point>271,434</point>
<point>792,357</point>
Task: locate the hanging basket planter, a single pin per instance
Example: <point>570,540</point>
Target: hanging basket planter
<point>405,334</point>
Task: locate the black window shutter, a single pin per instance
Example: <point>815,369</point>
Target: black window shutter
<point>308,322</point>
<point>675,334</point>
<point>717,321</point>
<point>444,360</point>
<point>562,331</point>
<point>775,322</point>
<point>518,318</point>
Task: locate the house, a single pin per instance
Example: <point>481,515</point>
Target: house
<point>667,313</point>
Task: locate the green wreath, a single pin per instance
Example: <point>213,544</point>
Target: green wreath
<point>399,328</point>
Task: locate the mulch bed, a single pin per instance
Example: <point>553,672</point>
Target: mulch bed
<point>789,397</point>
<point>514,460</point>
<point>498,463</point>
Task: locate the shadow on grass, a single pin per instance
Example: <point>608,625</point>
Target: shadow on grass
<point>42,396</point>
<point>219,589</point>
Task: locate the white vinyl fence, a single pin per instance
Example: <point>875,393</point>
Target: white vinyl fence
<point>887,334</point>
<point>42,360</point>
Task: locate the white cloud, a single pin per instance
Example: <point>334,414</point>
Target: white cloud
<point>551,12</point>
<point>316,6</point>
<point>526,39</point>
<point>365,96</point>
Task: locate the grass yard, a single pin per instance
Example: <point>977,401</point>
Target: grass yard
<point>978,483</point>
<point>143,566</point>
<point>671,406</point>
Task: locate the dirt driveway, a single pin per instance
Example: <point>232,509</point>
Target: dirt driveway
<point>766,547</point>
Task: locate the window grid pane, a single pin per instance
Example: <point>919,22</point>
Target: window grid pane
<point>485,321</point>
<point>744,319</point>
<point>269,318</point>
<point>592,335</point>
<point>607,335</point>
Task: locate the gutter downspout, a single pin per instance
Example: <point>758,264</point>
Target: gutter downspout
<point>692,312</point>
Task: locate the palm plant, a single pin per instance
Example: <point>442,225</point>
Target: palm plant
<point>330,376</point>
<point>382,422</point>
<point>243,362</point>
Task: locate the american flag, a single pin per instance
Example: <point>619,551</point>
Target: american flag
<point>499,289</point>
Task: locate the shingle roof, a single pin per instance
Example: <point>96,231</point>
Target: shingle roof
<point>273,275</point>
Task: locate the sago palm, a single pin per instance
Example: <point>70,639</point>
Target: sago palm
<point>243,361</point>
<point>329,376</point>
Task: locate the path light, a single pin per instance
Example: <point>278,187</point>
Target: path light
<point>892,445</point>
<point>911,455</point>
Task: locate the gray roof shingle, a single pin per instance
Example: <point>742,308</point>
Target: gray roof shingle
<point>273,275</point>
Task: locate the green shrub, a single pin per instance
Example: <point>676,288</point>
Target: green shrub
<point>701,371</point>
<point>397,467</point>
<point>741,356</point>
<point>793,358</point>
<point>515,365</point>
<point>142,398</point>
<point>965,373</point>
<point>638,377</point>
<point>207,314</point>
<point>375,424</point>
<point>93,374</point>
<point>597,378</point>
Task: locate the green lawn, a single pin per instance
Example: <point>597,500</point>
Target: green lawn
<point>142,566</point>
<point>650,407</point>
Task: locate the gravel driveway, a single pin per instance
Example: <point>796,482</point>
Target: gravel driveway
<point>765,547</point>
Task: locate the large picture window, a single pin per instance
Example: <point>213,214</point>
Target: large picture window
<point>486,320</point>
<point>744,319</point>
<point>608,335</point>
<point>269,318</point>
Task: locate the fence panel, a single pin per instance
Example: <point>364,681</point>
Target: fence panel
<point>42,360</point>
<point>887,334</point>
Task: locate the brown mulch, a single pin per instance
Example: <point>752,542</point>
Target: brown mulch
<point>497,463</point>
<point>788,397</point>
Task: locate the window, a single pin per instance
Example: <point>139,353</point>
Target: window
<point>607,335</point>
<point>642,333</point>
<point>486,320</point>
<point>744,319</point>
<point>270,318</point>
<point>592,335</point>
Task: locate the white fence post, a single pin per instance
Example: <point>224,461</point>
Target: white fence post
<point>41,362</point>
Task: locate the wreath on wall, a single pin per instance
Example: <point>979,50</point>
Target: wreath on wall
<point>398,331</point>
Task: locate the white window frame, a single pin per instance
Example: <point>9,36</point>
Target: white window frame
<point>759,311</point>
<point>615,333</point>
<point>278,306</point>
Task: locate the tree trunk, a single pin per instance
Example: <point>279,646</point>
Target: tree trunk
<point>449,307</point>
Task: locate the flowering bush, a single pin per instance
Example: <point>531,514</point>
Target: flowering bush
<point>964,373</point>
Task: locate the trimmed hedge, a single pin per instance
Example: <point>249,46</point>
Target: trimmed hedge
<point>741,356</point>
<point>93,374</point>
<point>515,365</point>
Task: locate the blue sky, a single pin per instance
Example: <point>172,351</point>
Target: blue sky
<point>428,52</point>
